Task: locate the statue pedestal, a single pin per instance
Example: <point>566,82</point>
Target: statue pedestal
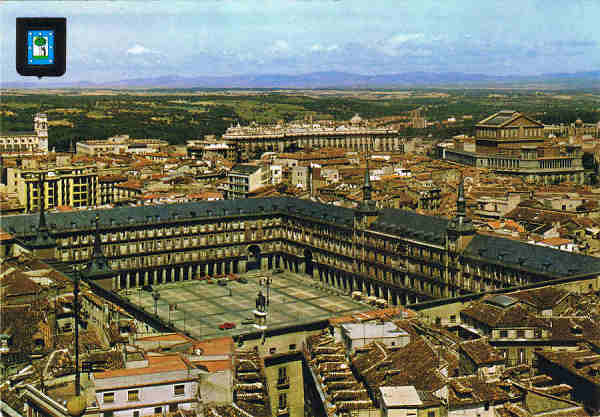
<point>260,318</point>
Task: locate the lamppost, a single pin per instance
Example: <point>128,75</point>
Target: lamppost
<point>156,296</point>
<point>269,279</point>
<point>171,308</point>
<point>76,308</point>
<point>3,350</point>
<point>77,404</point>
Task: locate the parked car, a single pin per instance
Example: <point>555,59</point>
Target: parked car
<point>222,282</point>
<point>243,280</point>
<point>227,326</point>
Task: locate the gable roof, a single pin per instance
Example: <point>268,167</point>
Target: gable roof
<point>481,352</point>
<point>498,317</point>
<point>504,118</point>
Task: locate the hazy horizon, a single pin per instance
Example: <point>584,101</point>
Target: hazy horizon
<point>115,40</point>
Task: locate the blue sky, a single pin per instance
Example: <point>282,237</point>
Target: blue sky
<point>112,40</point>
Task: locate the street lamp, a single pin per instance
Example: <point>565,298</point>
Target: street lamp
<point>156,297</point>
<point>77,404</point>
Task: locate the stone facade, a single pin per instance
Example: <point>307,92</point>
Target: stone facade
<point>27,143</point>
<point>399,256</point>
<point>277,138</point>
<point>510,143</point>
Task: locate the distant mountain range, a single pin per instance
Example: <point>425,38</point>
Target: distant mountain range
<point>332,79</point>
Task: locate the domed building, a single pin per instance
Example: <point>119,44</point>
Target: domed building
<point>356,120</point>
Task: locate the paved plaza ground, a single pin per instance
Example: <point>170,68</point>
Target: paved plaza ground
<point>201,307</point>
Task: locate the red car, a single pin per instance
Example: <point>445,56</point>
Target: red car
<point>227,326</point>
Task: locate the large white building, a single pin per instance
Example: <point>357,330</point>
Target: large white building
<point>121,144</point>
<point>36,141</point>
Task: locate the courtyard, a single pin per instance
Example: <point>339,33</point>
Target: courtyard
<point>200,307</point>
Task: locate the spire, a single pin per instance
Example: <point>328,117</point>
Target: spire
<point>43,238</point>
<point>98,266</point>
<point>461,224</point>
<point>367,189</point>
<point>97,242</point>
<point>461,204</point>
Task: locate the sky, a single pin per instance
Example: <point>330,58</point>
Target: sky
<point>116,40</point>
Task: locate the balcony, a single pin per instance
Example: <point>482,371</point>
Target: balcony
<point>283,383</point>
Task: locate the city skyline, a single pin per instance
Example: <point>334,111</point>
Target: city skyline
<point>116,40</point>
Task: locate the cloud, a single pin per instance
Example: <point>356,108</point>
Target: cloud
<point>398,44</point>
<point>405,37</point>
<point>138,49</point>
<point>280,47</point>
<point>317,47</point>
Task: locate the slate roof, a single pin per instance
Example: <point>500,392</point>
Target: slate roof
<point>122,216</point>
<point>245,169</point>
<point>537,259</point>
<point>534,258</point>
<point>410,224</point>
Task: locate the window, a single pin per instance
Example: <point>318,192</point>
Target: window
<point>108,414</point>
<point>292,347</point>
<point>431,414</point>
<point>179,390</point>
<point>272,350</point>
<point>521,334</point>
<point>453,319</point>
<point>282,374</point>
<point>173,408</point>
<point>136,413</point>
<point>282,401</point>
<point>503,333</point>
<point>109,397</point>
<point>158,410</point>
<point>521,355</point>
<point>133,395</point>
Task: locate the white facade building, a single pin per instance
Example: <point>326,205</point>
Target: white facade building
<point>16,143</point>
<point>356,335</point>
<point>157,385</point>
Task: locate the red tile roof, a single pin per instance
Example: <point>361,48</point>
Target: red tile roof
<point>156,364</point>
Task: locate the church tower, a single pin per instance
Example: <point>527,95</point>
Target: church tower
<point>40,126</point>
<point>460,230</point>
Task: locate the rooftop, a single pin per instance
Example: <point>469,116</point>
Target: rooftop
<point>372,330</point>
<point>156,364</point>
<point>406,396</point>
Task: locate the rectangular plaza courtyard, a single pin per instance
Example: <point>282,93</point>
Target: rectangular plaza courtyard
<point>200,307</point>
